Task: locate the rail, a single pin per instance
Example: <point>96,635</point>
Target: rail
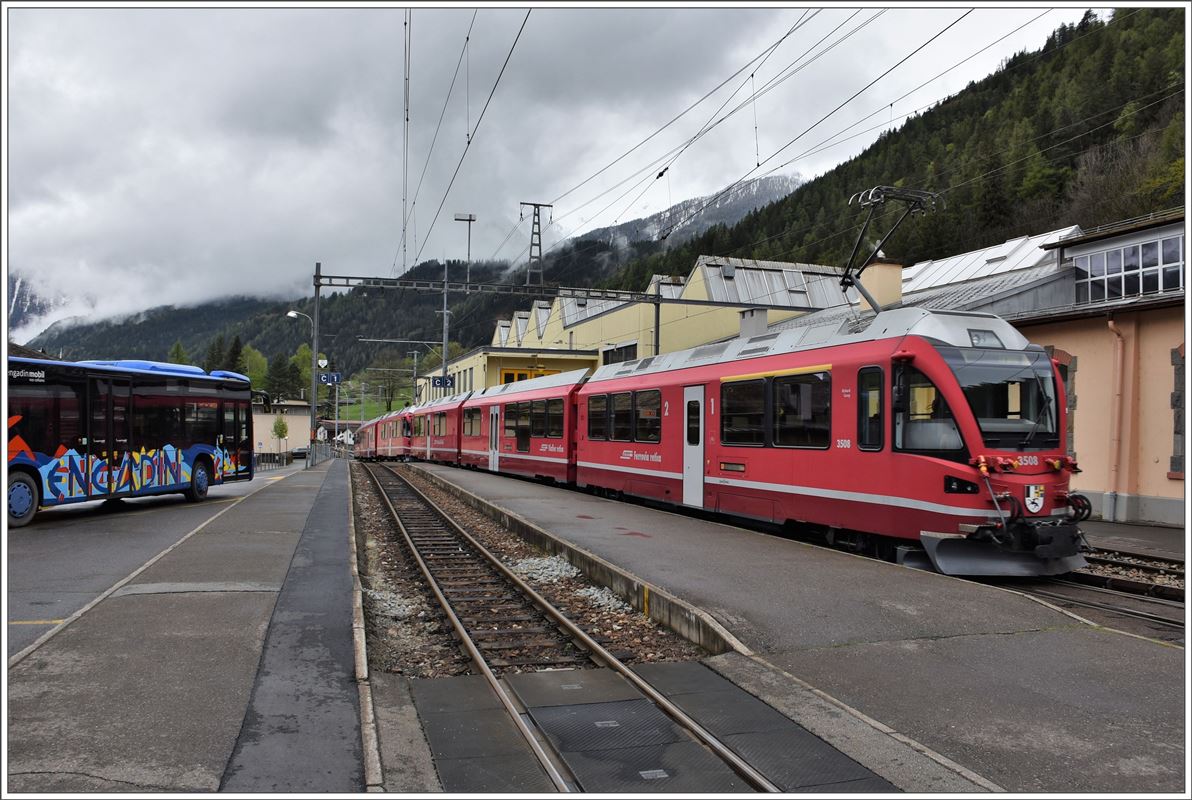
<point>598,653</point>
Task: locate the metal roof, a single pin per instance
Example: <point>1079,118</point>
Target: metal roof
<point>742,280</point>
<point>541,316</point>
<point>1153,220</point>
<point>533,384</point>
<point>947,326</point>
<point>1023,252</point>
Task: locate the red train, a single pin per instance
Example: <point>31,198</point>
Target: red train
<point>922,429</point>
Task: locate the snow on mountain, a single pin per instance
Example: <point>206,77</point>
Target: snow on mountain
<point>690,218</point>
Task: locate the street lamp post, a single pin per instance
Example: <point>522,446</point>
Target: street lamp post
<point>314,376</point>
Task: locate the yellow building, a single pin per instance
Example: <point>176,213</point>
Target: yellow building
<point>571,333</point>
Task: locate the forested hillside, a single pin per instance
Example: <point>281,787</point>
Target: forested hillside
<point>1087,130</point>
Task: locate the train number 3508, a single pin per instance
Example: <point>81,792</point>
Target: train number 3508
<point>845,443</point>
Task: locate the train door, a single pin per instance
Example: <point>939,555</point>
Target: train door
<point>693,446</point>
<point>494,437</point>
<point>108,437</point>
<point>428,421</point>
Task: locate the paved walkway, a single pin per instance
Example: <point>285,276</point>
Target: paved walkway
<point>227,664</point>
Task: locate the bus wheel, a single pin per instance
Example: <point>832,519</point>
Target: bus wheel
<point>200,481</point>
<point>22,499</point>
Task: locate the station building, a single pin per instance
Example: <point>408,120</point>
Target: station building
<point>571,333</point>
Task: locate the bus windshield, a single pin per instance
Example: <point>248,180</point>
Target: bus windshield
<point>1011,393</point>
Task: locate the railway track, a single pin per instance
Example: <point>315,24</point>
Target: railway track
<point>1165,620</point>
<point>1132,573</point>
<point>506,626</point>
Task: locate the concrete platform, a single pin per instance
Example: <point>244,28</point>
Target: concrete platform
<point>1000,688</point>
<point>1156,540</point>
<point>227,664</point>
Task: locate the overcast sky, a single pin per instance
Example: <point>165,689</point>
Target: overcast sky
<point>175,155</point>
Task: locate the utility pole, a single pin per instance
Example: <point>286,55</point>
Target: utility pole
<point>414,388</point>
<point>336,437</point>
<point>446,323</point>
<point>468,218</point>
<point>314,372</point>
<point>534,267</point>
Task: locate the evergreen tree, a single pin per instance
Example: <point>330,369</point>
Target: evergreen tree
<point>234,358</point>
<point>215,354</point>
<point>277,379</point>
<point>178,354</point>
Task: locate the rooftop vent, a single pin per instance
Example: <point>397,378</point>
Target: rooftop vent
<point>728,271</point>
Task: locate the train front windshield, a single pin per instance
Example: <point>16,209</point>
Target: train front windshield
<point>1011,393</point>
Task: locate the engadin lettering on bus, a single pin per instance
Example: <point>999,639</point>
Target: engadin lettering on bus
<point>30,375</point>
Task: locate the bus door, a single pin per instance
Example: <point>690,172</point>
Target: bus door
<point>228,441</point>
<point>244,439</point>
<point>108,438</point>
<point>494,437</point>
<point>693,446</point>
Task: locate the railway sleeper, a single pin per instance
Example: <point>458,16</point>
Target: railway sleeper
<point>538,662</point>
<point>485,633</point>
<point>530,644</point>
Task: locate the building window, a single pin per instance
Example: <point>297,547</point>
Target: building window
<point>1149,268</point>
<point>615,355</point>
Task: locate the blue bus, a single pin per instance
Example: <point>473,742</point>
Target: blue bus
<point>95,430</point>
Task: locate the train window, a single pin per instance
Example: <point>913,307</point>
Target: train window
<point>622,407</point>
<point>554,418</point>
<point>440,425</point>
<point>923,421</point>
<point>523,427</point>
<point>598,416</point>
<point>538,418</point>
<point>743,412</point>
<point>647,416</point>
<point>511,420</point>
<point>692,422</point>
<point>803,410</point>
<point>869,408</point>
<point>471,422</point>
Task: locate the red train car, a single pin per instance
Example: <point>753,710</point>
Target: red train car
<point>524,428</point>
<point>365,446</point>
<point>935,427</point>
<point>436,429</point>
